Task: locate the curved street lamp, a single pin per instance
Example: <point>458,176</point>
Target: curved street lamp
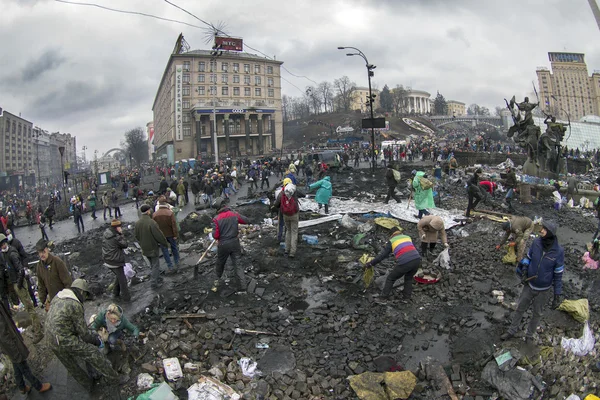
<point>370,73</point>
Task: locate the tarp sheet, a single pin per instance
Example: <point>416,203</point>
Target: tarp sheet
<point>397,210</point>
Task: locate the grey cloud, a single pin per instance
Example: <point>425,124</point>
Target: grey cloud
<point>49,60</point>
<point>457,33</point>
<point>72,98</point>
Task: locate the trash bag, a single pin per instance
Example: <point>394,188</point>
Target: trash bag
<point>129,271</point>
<point>581,346</point>
<point>511,256</point>
<point>579,309</point>
<point>249,367</point>
<point>360,242</point>
<point>570,203</point>
<point>348,223</point>
<point>589,263</point>
<point>573,397</point>
<point>591,397</point>
<point>515,384</point>
<point>365,258</point>
<point>443,260</point>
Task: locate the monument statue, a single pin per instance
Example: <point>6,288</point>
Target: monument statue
<point>549,146</point>
<point>525,132</point>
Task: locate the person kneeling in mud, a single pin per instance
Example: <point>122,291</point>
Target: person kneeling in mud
<point>408,261</point>
<point>111,323</point>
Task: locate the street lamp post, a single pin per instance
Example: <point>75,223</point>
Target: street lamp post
<point>215,53</point>
<point>61,149</point>
<point>37,150</point>
<point>370,73</point>
<point>84,148</point>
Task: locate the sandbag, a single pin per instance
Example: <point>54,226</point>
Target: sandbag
<point>388,385</point>
<point>580,346</point>
<point>515,384</point>
<point>511,256</point>
<point>579,309</point>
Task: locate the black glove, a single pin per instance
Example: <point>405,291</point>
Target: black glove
<point>556,302</point>
<point>368,265</point>
<point>20,281</point>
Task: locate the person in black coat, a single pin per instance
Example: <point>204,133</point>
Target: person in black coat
<point>474,192</point>
<point>11,344</point>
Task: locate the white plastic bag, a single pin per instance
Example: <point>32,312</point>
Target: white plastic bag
<point>129,271</point>
<point>573,397</point>
<point>570,203</point>
<point>249,367</point>
<point>443,260</point>
<point>581,346</point>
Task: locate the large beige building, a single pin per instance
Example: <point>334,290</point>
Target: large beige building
<point>568,87</point>
<point>16,151</point>
<point>456,108</point>
<point>360,99</point>
<point>240,91</point>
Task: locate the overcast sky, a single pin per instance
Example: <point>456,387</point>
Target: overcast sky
<point>94,73</point>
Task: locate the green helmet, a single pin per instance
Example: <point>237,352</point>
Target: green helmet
<point>81,284</point>
<point>2,238</point>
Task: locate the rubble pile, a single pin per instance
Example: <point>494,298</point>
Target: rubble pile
<point>309,323</point>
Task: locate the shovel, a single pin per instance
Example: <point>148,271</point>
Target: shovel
<point>202,257</point>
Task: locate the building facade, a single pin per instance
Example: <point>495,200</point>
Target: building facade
<point>456,108</point>
<point>568,88</point>
<point>46,151</point>
<point>16,151</point>
<point>360,99</point>
<point>233,99</point>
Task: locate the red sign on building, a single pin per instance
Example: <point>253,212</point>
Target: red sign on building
<point>227,43</point>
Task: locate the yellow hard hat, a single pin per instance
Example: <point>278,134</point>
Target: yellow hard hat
<point>286,181</point>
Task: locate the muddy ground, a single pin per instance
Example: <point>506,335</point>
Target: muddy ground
<point>327,325</point>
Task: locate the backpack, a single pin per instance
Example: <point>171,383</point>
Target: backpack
<point>425,183</point>
<point>289,205</point>
<point>396,175</point>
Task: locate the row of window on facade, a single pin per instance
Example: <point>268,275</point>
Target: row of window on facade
<point>17,128</point>
<point>212,90</point>
<point>225,79</point>
<point>212,65</point>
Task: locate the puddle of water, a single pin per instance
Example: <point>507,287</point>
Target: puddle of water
<point>438,348</point>
<point>298,305</point>
<point>316,295</point>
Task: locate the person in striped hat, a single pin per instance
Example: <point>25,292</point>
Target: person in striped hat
<point>408,261</point>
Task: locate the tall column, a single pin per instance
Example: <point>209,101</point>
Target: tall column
<point>226,129</point>
<point>213,134</point>
<point>247,130</point>
<point>198,119</point>
<point>272,128</point>
<point>259,122</point>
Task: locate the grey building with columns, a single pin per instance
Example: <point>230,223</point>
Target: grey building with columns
<point>234,98</point>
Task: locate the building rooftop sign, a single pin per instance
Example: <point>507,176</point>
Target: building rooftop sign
<point>229,43</point>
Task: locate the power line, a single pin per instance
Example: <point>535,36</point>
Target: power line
<point>211,26</point>
<point>246,44</point>
<point>128,12</point>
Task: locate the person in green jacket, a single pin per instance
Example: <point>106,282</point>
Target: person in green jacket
<point>423,198</point>
<point>92,199</point>
<point>323,193</point>
<point>115,322</point>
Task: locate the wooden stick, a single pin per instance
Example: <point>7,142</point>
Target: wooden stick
<point>206,251</point>
<point>209,316</point>
<point>409,198</point>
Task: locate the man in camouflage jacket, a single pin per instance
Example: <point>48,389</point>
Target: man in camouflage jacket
<point>70,339</point>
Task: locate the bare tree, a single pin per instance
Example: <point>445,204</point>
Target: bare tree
<point>399,99</point>
<point>345,91</point>
<point>135,145</point>
<point>326,91</point>
<point>314,99</point>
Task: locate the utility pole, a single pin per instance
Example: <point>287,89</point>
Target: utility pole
<point>595,11</point>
